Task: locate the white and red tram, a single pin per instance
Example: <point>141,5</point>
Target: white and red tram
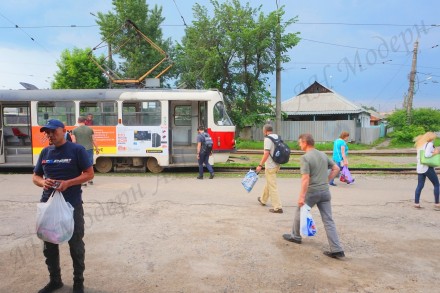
<point>135,129</point>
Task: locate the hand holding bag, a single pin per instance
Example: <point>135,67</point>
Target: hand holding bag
<point>249,180</point>
<point>307,225</point>
<point>346,175</point>
<point>55,219</point>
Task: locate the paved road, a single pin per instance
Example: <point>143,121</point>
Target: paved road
<point>159,233</point>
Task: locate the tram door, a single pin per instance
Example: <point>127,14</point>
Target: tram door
<point>16,149</point>
<point>2,139</point>
<point>183,121</point>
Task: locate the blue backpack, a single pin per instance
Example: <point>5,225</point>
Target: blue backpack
<point>207,144</point>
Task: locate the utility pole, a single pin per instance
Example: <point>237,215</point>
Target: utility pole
<point>278,77</point>
<point>110,63</point>
<point>412,77</point>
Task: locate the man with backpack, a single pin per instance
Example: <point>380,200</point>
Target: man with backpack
<point>204,150</point>
<point>272,168</point>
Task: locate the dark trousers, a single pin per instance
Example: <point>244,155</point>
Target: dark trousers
<point>204,159</point>
<point>432,176</point>
<point>77,250</point>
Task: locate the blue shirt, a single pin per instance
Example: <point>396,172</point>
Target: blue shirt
<point>63,163</point>
<point>337,154</point>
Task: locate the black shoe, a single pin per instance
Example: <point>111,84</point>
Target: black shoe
<point>337,255</point>
<point>289,237</point>
<point>199,177</point>
<point>52,286</point>
<point>212,176</point>
<point>259,200</point>
<point>91,182</point>
<point>332,184</point>
<point>78,288</point>
<point>278,211</point>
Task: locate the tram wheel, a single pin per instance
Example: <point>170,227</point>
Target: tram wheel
<point>153,166</point>
<point>103,164</point>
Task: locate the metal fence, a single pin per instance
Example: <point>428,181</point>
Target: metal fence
<point>323,131</point>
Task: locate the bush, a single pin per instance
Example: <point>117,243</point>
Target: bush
<point>406,134</point>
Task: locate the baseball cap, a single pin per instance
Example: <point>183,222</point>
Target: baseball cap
<point>52,124</point>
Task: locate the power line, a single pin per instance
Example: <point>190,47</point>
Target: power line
<point>347,46</point>
<point>360,24</point>
<point>18,27</point>
<point>184,24</point>
<point>49,26</point>
<point>181,16</point>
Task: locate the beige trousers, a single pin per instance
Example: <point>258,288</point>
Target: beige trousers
<point>270,189</point>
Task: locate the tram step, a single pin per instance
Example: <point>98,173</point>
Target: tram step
<point>181,159</point>
<point>27,158</point>
<point>185,151</point>
<point>18,150</point>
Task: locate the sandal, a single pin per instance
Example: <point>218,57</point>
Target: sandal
<point>417,206</point>
<point>437,207</point>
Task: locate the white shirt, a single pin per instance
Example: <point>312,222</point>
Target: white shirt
<point>270,146</point>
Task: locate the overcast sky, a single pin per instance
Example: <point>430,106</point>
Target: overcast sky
<point>361,49</point>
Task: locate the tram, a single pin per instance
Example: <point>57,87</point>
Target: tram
<point>135,129</point>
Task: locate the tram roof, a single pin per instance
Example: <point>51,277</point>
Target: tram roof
<point>106,94</point>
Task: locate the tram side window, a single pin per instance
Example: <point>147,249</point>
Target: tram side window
<point>220,116</point>
<point>104,113</point>
<point>146,113</point>
<point>61,110</point>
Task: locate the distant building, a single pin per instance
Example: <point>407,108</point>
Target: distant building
<point>375,118</point>
<point>318,103</point>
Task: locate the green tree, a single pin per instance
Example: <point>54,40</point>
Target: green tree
<point>136,56</point>
<point>235,52</point>
<point>77,71</point>
<point>423,120</point>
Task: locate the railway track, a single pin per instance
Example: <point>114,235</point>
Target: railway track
<point>295,170</point>
<point>405,152</point>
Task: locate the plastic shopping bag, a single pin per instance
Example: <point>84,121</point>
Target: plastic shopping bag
<point>346,176</point>
<point>249,180</point>
<point>55,219</point>
<point>307,225</point>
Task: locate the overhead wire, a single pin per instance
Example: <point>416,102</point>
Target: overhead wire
<point>181,16</point>
<point>25,32</point>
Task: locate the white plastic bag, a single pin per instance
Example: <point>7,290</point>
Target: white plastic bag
<point>307,225</point>
<point>249,180</point>
<point>55,219</point>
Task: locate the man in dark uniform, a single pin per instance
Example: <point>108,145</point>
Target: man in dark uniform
<point>203,154</point>
<point>64,166</point>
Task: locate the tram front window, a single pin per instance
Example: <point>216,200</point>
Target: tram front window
<point>220,116</point>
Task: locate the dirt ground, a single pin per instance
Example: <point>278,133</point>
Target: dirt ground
<point>161,233</point>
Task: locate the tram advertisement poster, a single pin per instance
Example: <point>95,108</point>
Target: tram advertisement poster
<point>141,139</point>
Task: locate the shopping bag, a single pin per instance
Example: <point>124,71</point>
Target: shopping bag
<point>346,175</point>
<point>249,180</point>
<point>307,225</point>
<point>55,219</point>
<point>433,161</point>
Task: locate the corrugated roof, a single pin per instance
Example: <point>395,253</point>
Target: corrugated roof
<point>319,103</point>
